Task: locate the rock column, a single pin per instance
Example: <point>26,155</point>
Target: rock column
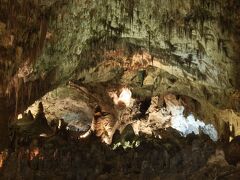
<point>4,136</point>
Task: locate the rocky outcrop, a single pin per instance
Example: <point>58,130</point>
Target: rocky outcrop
<point>194,157</point>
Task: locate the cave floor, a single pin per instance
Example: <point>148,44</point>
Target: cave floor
<point>61,157</point>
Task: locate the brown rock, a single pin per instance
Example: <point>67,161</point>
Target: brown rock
<point>2,27</point>
<point>19,51</point>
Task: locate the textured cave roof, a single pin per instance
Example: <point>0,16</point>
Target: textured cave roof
<point>193,47</point>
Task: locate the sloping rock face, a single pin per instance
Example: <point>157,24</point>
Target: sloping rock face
<point>186,47</point>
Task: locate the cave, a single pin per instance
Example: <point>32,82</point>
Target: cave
<point>119,89</point>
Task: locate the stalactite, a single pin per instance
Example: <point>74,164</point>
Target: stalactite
<point>22,96</point>
<point>16,89</point>
<point>42,33</point>
<point>29,90</point>
<point>149,41</point>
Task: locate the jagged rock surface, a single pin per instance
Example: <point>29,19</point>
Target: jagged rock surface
<point>172,157</point>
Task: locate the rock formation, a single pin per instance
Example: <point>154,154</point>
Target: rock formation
<point>156,48</point>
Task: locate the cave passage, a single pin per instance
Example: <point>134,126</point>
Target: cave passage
<point>124,89</point>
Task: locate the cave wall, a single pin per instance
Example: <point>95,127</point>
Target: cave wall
<point>194,42</point>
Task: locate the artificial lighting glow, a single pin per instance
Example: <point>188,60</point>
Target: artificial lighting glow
<point>172,115</point>
<point>85,135</point>
<point>107,140</point>
<point>124,97</point>
<point>59,124</point>
<point>19,116</point>
<point>43,135</point>
<point>190,124</point>
<point>35,152</point>
<point>1,159</point>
